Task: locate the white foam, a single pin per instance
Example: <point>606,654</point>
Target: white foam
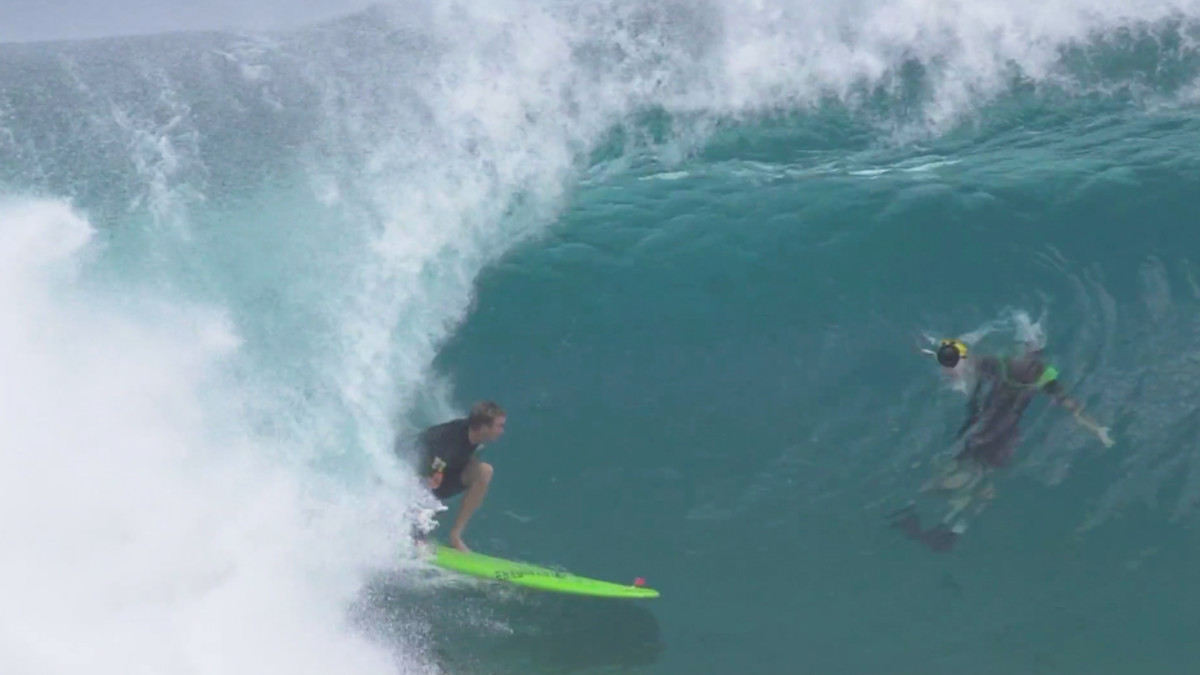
<point>146,527</point>
<point>788,51</point>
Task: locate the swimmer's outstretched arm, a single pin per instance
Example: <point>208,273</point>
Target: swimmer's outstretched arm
<point>1076,408</point>
<point>1094,426</point>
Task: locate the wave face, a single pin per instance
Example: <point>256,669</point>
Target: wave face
<point>687,245</point>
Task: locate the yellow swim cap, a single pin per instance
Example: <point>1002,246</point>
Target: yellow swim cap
<point>950,352</point>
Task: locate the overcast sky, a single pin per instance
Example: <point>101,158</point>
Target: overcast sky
<point>29,20</point>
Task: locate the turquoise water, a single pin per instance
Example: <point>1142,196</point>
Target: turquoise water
<point>689,247</point>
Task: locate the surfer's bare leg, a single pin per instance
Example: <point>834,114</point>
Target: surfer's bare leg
<point>476,477</point>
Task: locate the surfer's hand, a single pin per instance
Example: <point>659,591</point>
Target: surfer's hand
<point>1102,434</point>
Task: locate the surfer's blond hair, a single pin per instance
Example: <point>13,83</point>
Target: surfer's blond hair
<point>484,413</point>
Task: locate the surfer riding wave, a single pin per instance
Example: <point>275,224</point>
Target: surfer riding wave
<point>447,461</point>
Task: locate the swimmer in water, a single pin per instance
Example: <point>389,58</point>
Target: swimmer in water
<point>1003,389</point>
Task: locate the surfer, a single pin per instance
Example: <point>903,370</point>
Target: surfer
<point>1003,389</point>
<point>450,467</point>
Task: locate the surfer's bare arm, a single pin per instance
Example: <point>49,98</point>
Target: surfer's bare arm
<point>1093,426</point>
<point>1056,392</point>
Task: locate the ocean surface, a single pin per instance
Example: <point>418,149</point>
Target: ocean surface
<point>692,248</point>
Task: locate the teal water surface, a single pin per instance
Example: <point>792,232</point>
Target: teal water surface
<point>741,393</point>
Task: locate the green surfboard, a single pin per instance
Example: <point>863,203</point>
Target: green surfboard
<point>532,576</point>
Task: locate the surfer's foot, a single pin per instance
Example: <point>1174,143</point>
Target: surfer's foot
<point>457,542</point>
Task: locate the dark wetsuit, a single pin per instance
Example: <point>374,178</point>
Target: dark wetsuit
<point>448,443</point>
<point>1010,384</point>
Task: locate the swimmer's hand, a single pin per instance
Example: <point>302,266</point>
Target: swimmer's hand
<point>1101,432</point>
<point>924,343</point>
